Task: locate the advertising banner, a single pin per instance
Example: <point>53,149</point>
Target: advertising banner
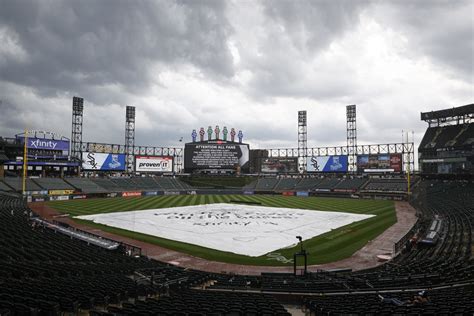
<point>76,197</point>
<point>279,165</point>
<point>153,164</point>
<point>287,193</point>
<point>215,155</point>
<point>396,162</point>
<point>171,193</point>
<point>132,193</point>
<point>327,163</point>
<point>103,162</point>
<point>59,198</point>
<point>48,144</point>
<point>302,193</point>
<point>60,192</point>
<point>150,193</point>
<point>380,163</point>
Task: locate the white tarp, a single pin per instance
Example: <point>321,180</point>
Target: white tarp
<point>241,229</point>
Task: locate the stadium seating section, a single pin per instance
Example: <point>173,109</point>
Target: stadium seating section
<point>94,185</point>
<point>53,184</point>
<point>86,185</point>
<point>44,272</point>
<point>448,136</point>
<point>385,185</point>
<point>17,184</point>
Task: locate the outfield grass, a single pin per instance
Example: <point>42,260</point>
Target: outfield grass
<point>332,246</point>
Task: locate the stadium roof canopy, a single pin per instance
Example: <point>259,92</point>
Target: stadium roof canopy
<point>461,114</point>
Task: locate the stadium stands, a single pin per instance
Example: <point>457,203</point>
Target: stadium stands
<point>307,184</point>
<point>125,184</point>
<point>146,183</point>
<point>86,185</point>
<point>16,184</point>
<point>4,187</point>
<point>53,184</point>
<point>194,302</point>
<point>447,136</point>
<point>446,268</point>
<point>455,301</point>
<point>44,272</point>
<point>350,184</point>
<point>286,184</point>
<point>266,184</point>
<point>327,184</point>
<point>385,185</point>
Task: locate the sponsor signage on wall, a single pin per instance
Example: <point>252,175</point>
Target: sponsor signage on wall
<point>103,162</point>
<point>60,192</point>
<point>327,163</point>
<point>132,193</point>
<point>153,164</point>
<point>47,144</point>
<point>302,193</point>
<point>59,198</point>
<point>171,193</point>
<point>150,193</point>
<point>76,197</point>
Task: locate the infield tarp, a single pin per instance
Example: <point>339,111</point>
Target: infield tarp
<point>241,229</point>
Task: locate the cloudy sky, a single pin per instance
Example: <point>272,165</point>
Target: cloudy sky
<point>245,64</point>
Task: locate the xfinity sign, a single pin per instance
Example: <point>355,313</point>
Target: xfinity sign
<point>48,144</point>
<point>38,143</point>
<point>153,164</point>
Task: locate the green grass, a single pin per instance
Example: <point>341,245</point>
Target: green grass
<point>332,246</point>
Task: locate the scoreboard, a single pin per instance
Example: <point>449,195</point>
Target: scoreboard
<point>215,155</point>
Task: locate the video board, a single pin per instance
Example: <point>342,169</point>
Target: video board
<point>103,162</point>
<point>153,164</point>
<point>215,154</point>
<point>327,163</point>
<point>380,163</point>
<point>279,165</point>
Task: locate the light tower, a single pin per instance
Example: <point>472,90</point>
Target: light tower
<point>351,138</point>
<point>76,130</point>
<point>129,137</point>
<point>302,141</point>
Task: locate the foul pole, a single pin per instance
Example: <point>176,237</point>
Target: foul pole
<point>25,162</point>
<point>408,168</point>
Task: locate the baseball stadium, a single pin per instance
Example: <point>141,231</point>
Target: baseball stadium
<point>215,227</point>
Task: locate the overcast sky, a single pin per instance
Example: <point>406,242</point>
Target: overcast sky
<point>250,65</point>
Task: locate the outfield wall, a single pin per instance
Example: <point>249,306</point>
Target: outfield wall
<point>136,193</point>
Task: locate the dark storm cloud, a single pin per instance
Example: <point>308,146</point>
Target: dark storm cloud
<point>441,30</point>
<point>74,44</point>
<point>314,24</point>
<point>249,65</point>
<point>298,32</point>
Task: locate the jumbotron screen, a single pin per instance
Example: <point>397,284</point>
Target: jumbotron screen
<point>380,163</point>
<point>215,155</point>
<point>279,165</point>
